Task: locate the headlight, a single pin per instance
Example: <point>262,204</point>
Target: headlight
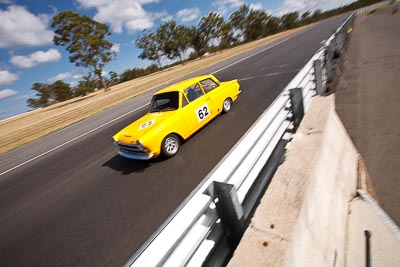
<point>140,145</point>
<point>116,137</point>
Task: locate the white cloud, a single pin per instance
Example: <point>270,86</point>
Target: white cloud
<point>188,14</point>
<point>23,97</point>
<point>123,15</point>
<point>92,3</point>
<point>7,77</point>
<point>305,5</point>
<point>161,15</point>
<point>19,27</point>
<point>78,76</point>
<point>66,75</point>
<point>115,48</point>
<point>6,93</point>
<point>61,76</point>
<point>224,5</point>
<point>256,6</point>
<point>36,58</point>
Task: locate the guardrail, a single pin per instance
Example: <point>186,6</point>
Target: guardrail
<point>206,228</point>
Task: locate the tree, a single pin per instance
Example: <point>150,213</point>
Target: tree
<point>48,94</point>
<point>173,39</point>
<point>238,19</point>
<point>211,26</point>
<point>317,15</point>
<point>256,25</point>
<point>305,18</point>
<point>137,72</point>
<point>43,96</point>
<point>84,40</point>
<point>198,41</point>
<point>183,38</point>
<point>61,91</point>
<point>150,46</point>
<point>113,78</point>
<point>85,86</point>
<point>226,36</point>
<point>251,24</point>
<point>170,40</point>
<point>289,20</point>
<point>272,25</point>
<point>165,36</point>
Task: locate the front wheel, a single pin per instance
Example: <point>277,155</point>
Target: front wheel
<point>170,145</point>
<point>226,106</point>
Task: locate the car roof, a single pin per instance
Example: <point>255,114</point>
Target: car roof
<point>182,85</point>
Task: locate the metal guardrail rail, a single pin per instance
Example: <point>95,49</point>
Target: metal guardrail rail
<point>213,218</point>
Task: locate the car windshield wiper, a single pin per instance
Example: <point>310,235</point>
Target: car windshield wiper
<point>155,108</point>
<point>168,109</point>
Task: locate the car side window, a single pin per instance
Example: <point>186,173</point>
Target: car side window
<point>193,92</point>
<point>208,85</point>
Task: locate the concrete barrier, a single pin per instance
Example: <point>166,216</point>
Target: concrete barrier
<point>302,219</point>
<point>366,215</point>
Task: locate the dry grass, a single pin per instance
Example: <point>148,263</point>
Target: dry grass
<point>27,127</point>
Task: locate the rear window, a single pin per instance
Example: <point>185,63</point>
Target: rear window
<point>208,85</point>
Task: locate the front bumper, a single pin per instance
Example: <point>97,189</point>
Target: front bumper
<point>136,156</point>
<point>136,151</point>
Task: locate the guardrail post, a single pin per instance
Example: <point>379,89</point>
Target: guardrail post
<point>329,63</point>
<point>318,77</point>
<point>296,100</point>
<point>229,210</point>
<point>340,37</point>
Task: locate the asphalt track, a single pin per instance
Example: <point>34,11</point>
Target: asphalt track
<point>69,200</point>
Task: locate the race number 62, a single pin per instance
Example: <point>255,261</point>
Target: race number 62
<point>202,112</point>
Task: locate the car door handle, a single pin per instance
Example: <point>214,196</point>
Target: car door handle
<point>207,99</point>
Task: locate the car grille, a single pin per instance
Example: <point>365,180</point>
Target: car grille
<point>132,149</point>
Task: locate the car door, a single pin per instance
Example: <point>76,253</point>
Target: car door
<point>197,108</point>
<point>212,93</point>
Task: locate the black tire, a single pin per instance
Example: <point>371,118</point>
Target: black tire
<point>226,105</point>
<point>170,145</point>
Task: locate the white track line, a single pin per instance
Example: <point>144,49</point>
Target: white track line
<point>268,75</point>
<point>66,143</point>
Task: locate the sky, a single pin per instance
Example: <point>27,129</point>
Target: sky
<point>28,55</point>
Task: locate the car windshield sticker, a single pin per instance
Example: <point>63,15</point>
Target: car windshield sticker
<point>146,124</point>
<point>202,112</point>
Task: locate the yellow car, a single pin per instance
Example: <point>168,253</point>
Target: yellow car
<point>176,113</point>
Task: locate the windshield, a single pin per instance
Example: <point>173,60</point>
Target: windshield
<point>164,102</point>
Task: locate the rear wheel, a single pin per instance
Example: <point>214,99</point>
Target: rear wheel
<point>170,145</point>
<point>226,106</point>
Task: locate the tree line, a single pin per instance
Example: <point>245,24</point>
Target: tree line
<point>85,40</point>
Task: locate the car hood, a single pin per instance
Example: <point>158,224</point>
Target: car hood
<point>134,131</point>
